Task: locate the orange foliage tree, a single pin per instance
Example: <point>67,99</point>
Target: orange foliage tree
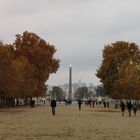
<point>40,61</point>
<point>127,86</point>
<point>6,72</point>
<point>116,70</point>
<point>25,66</point>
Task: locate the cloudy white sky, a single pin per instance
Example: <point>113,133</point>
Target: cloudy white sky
<point>79,29</point>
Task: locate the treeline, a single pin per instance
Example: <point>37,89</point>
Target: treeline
<point>25,67</point>
<point>120,70</point>
<point>57,93</point>
<point>85,93</point>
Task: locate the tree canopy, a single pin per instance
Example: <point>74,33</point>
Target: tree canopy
<point>25,66</point>
<point>119,71</point>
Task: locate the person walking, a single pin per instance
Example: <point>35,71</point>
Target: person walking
<point>89,102</point>
<point>93,102</point>
<point>135,109</point>
<point>104,104</point>
<point>122,105</point>
<point>107,104</point>
<point>129,107</point>
<point>32,103</point>
<point>79,104</point>
<point>53,106</point>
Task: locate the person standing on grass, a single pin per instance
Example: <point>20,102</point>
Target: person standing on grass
<point>104,104</point>
<point>32,103</point>
<point>135,109</point>
<point>53,105</point>
<point>93,102</point>
<point>79,104</point>
<point>122,105</point>
<point>129,107</point>
<point>107,104</point>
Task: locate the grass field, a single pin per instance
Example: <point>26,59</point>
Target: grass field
<point>68,124</point>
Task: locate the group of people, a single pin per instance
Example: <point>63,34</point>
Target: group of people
<point>106,104</point>
<point>129,106</point>
<point>91,103</point>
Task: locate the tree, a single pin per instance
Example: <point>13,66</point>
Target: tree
<point>6,71</point>
<point>58,92</point>
<point>81,93</point>
<point>25,84</point>
<point>6,76</point>
<point>40,55</point>
<point>25,67</point>
<point>100,90</point>
<point>127,86</point>
<point>116,57</point>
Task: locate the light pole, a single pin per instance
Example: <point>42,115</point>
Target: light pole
<point>70,82</point>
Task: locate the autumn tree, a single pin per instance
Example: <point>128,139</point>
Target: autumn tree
<point>25,84</point>
<point>5,67</point>
<point>128,83</point>
<point>116,58</point>
<point>40,56</point>
<point>25,67</point>
<point>6,74</point>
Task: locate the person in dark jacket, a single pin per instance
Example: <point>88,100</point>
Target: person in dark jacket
<point>53,105</point>
<point>104,104</point>
<point>79,104</point>
<point>129,107</point>
<point>93,102</point>
<point>32,103</point>
<point>122,105</point>
<point>107,104</point>
<point>135,109</point>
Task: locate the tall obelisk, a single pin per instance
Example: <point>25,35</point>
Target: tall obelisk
<point>70,82</point>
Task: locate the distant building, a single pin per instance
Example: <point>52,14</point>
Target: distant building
<point>75,86</point>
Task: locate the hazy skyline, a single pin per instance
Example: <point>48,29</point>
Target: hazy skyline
<point>78,29</point>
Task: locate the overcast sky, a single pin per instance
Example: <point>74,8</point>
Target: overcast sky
<point>79,29</point>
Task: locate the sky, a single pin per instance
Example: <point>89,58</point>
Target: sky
<point>79,29</point>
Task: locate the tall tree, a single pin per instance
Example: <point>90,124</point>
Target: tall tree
<point>24,72</point>
<point>127,86</point>
<point>25,67</point>
<point>40,56</point>
<point>6,72</point>
<point>116,57</point>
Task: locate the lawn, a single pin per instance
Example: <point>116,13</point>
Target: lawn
<point>25,123</point>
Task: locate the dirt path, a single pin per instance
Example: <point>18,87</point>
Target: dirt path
<point>68,124</point>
